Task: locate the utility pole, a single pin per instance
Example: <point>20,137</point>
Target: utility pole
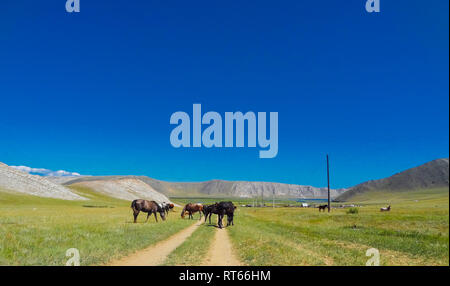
<point>328,178</point>
<point>273,198</point>
<point>262,198</point>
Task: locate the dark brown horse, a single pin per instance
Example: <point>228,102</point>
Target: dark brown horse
<point>150,207</point>
<point>322,207</point>
<point>191,208</point>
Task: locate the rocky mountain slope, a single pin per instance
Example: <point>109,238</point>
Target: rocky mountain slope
<point>433,174</point>
<point>13,180</point>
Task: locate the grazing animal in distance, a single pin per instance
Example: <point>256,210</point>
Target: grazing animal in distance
<point>385,209</point>
<point>322,207</point>
<point>191,208</point>
<point>167,207</point>
<point>149,207</point>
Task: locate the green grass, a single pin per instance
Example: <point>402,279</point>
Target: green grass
<point>194,249</point>
<point>415,232</point>
<point>352,211</point>
<point>38,231</point>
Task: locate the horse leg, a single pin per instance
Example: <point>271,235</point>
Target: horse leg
<point>135,215</point>
<point>220,221</point>
<point>156,217</point>
<point>163,215</point>
<point>148,214</point>
<point>200,212</point>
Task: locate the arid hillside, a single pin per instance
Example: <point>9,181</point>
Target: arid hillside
<point>13,180</point>
<point>434,174</point>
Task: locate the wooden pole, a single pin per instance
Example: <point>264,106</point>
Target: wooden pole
<point>328,179</point>
<point>273,198</point>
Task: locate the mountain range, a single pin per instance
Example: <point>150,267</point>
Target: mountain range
<point>430,175</point>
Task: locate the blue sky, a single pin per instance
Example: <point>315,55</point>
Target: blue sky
<point>93,92</point>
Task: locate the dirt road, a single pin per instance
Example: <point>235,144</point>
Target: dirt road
<point>221,251</point>
<point>156,254</point>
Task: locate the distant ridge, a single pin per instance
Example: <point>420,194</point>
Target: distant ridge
<point>218,188</point>
<point>433,174</point>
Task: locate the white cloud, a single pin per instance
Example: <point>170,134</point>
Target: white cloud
<point>46,172</point>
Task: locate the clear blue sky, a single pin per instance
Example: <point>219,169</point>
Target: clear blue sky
<point>93,92</point>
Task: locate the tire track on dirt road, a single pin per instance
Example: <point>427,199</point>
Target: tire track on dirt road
<point>157,253</point>
<point>221,251</point>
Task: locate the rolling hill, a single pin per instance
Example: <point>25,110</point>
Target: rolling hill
<point>432,175</point>
<point>13,180</point>
<point>123,188</point>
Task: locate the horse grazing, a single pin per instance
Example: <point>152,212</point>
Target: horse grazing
<point>385,209</point>
<point>226,208</point>
<point>322,207</point>
<point>150,207</point>
<point>191,208</point>
<point>167,207</point>
<point>208,210</point>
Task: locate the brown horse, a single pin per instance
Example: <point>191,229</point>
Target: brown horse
<point>150,207</point>
<point>191,208</point>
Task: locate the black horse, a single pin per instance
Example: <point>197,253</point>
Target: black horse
<point>226,208</point>
<point>322,207</point>
<point>221,209</point>
<point>208,210</point>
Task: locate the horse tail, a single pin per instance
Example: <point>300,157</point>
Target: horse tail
<point>133,204</point>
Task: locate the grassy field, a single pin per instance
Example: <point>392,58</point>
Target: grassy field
<point>38,231</point>
<point>415,232</point>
